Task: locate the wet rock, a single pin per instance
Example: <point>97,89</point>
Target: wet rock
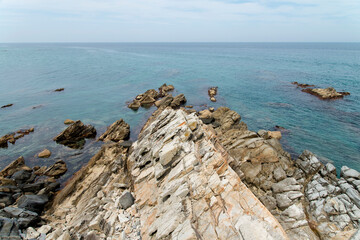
<point>325,93</point>
<point>44,154</point>
<point>34,203</point>
<point>116,132</point>
<point>13,167</point>
<point>74,135</point>
<point>178,100</point>
<point>135,105</point>
<point>7,105</point>
<point>303,85</point>
<point>57,169</point>
<point>165,101</point>
<point>59,89</point>
<point>164,89</point>
<point>212,92</point>
<point>68,121</point>
<point>126,200</point>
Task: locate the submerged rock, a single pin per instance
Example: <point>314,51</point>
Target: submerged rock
<point>74,136</point>
<point>12,137</point>
<point>59,89</point>
<point>116,132</point>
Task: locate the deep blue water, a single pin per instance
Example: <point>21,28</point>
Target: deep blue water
<point>253,78</point>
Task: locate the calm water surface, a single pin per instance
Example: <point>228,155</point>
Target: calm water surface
<point>253,78</point>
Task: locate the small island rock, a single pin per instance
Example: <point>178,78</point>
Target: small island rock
<point>44,154</point>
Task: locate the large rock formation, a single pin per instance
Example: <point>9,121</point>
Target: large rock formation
<point>182,184</point>
<point>116,132</point>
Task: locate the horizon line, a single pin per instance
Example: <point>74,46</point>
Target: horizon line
<point>178,42</point>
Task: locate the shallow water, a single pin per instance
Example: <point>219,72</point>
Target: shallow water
<point>253,78</point>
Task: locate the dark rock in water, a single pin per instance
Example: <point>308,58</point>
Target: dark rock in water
<point>34,203</point>
<point>21,176</point>
<point>12,137</point>
<point>178,100</point>
<point>303,85</point>
<point>57,169</point>
<point>6,198</point>
<point>126,144</point>
<point>117,131</point>
<point>59,90</point>
<point>126,200</point>
<point>74,136</point>
<point>7,105</point>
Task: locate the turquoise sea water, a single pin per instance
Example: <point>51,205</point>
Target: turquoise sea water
<point>253,78</point>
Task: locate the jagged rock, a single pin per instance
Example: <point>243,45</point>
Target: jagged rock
<point>13,167</point>
<point>21,176</point>
<point>116,132</point>
<point>165,101</point>
<point>178,100</point>
<point>135,105</point>
<point>9,229</point>
<point>33,203</point>
<point>164,89</point>
<point>126,200</point>
<point>325,93</point>
<point>74,136</point>
<point>303,85</point>
<point>44,154</point>
<point>349,173</point>
<point>57,169</point>
<point>31,233</point>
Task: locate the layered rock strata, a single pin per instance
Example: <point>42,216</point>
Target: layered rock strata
<point>304,195</point>
<point>182,184</point>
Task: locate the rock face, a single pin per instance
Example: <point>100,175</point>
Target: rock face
<point>182,184</point>
<point>74,136</point>
<point>116,132</point>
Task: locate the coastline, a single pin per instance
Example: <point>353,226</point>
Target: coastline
<point>290,192</point>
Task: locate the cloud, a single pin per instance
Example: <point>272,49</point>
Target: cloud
<point>205,20</point>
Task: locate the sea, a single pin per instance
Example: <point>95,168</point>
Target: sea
<point>254,79</point>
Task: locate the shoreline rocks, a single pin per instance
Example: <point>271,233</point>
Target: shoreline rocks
<point>118,131</point>
<point>12,137</point>
<point>322,93</point>
<point>74,135</point>
<point>44,154</point>
<point>212,92</point>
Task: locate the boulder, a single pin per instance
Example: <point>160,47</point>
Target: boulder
<point>21,176</point>
<point>135,105</point>
<point>164,89</point>
<point>34,203</point>
<point>74,136</point>
<point>13,167</point>
<point>57,169</point>
<point>116,132</point>
<point>44,154</point>
<point>126,200</point>
<point>68,121</point>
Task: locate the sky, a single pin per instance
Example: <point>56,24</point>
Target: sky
<point>179,21</point>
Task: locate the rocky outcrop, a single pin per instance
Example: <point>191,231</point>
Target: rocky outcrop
<point>12,137</point>
<point>164,89</point>
<point>68,121</point>
<point>23,197</point>
<point>116,132</point>
<point>175,183</point>
<point>303,85</point>
<point>295,192</point>
<point>212,92</point>
<point>325,93</point>
<point>74,135</point>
